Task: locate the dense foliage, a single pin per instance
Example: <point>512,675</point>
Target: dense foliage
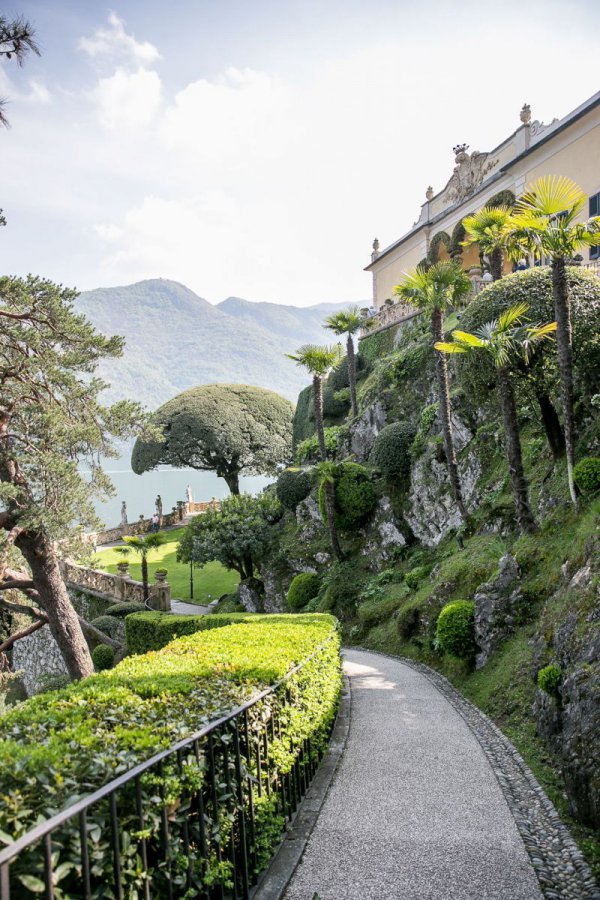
<point>456,630</point>
<point>103,657</point>
<point>391,450</point>
<point>587,475</point>
<point>96,729</point>
<point>293,486</point>
<point>303,589</point>
<point>549,680</point>
<point>238,535</point>
<point>355,497</point>
<point>304,417</point>
<point>230,429</point>
<point>308,451</point>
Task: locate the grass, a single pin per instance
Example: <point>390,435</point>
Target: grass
<point>211,581</point>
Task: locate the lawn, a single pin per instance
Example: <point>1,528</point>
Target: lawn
<point>211,581</point>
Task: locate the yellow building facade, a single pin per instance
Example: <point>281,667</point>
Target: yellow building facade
<point>569,146</point>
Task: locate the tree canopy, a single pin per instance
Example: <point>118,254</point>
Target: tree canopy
<point>237,535</point>
<point>230,429</point>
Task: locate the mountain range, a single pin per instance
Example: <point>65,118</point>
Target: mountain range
<point>175,339</point>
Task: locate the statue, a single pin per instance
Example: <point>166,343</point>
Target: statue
<point>188,494</point>
<point>123,514</point>
<point>158,506</point>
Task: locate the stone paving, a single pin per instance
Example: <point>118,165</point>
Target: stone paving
<point>415,810</point>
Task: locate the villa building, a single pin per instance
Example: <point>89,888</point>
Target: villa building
<point>569,146</point>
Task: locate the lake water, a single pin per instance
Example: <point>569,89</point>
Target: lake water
<point>139,491</point>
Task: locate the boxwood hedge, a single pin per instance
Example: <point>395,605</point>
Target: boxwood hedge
<point>59,746</point>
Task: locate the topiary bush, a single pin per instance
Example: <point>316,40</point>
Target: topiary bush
<point>103,657</point>
<point>111,626</point>
<point>120,610</point>
<point>549,680</point>
<point>456,629</point>
<point>587,475</point>
<point>355,497</point>
<point>303,589</point>
<point>391,450</point>
<point>293,486</point>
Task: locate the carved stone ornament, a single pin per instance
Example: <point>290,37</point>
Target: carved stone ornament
<point>525,114</point>
<point>469,172</point>
<point>538,128</point>
<point>429,193</point>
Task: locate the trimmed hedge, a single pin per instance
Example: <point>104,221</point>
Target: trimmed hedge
<point>304,587</point>
<point>111,626</point>
<point>456,629</point>
<point>57,746</point>
<point>391,450</point>
<point>293,486</point>
<point>103,657</point>
<point>586,475</point>
<point>120,610</point>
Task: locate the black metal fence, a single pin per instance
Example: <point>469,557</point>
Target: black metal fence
<point>199,819</point>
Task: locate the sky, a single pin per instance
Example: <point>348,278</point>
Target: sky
<point>255,148</point>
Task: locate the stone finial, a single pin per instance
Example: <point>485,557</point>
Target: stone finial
<point>429,193</point>
<point>525,114</point>
<point>375,252</point>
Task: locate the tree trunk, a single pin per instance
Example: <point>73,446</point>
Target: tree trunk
<point>248,567</point>
<point>552,426</point>
<point>330,510</point>
<point>54,600</point>
<point>562,314</point>
<point>352,375</point>
<point>441,368</point>
<point>233,482</point>
<point>145,576</point>
<point>496,264</point>
<point>513,451</point>
<point>318,399</point>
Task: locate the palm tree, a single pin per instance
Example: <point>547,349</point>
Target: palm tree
<point>142,545</point>
<point>503,339</point>
<point>347,322</point>
<point>488,229</point>
<point>435,290</point>
<point>319,361</point>
<point>544,223</point>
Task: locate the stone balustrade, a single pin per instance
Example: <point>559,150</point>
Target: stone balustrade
<point>389,314</point>
<point>117,587</point>
<point>143,525</point>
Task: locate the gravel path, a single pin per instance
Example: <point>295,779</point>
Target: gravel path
<point>415,810</point>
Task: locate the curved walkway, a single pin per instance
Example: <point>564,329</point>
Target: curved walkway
<point>415,811</point>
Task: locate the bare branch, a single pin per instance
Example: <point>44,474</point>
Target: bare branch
<point>20,634</point>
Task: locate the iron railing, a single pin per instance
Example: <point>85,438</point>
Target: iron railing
<point>188,822</point>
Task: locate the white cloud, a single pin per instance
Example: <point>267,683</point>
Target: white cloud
<point>38,93</point>
<point>114,43</point>
<point>128,100</point>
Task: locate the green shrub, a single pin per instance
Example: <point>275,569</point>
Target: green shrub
<point>549,680</point>
<point>293,486</point>
<point>391,450</point>
<point>587,475</point>
<point>456,629</point>
<point>308,450</point>
<point>407,620</point>
<point>120,610</point>
<point>304,587</point>
<point>374,346</point>
<point>111,626</point>
<point>103,657</point>
<point>333,408</point>
<point>355,497</point>
<point>341,589</point>
<point>104,725</point>
<point>414,578</point>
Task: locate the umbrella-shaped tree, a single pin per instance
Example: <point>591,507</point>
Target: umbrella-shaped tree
<point>319,361</point>
<point>545,224</point>
<point>504,338</point>
<point>436,290</point>
<point>347,322</point>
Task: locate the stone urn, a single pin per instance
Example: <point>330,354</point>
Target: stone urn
<point>160,576</point>
<point>123,568</point>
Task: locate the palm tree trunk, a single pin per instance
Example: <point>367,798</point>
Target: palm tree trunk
<point>145,576</point>
<point>441,368</point>
<point>562,314</point>
<point>513,451</point>
<point>54,599</point>
<point>496,263</point>
<point>352,374</point>
<point>318,399</point>
<point>330,510</point>
<point>552,426</point>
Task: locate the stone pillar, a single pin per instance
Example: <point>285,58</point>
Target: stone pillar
<point>160,596</point>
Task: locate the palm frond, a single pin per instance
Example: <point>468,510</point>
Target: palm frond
<point>470,340</point>
<point>448,347</point>
<point>551,195</point>
<point>512,316</point>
